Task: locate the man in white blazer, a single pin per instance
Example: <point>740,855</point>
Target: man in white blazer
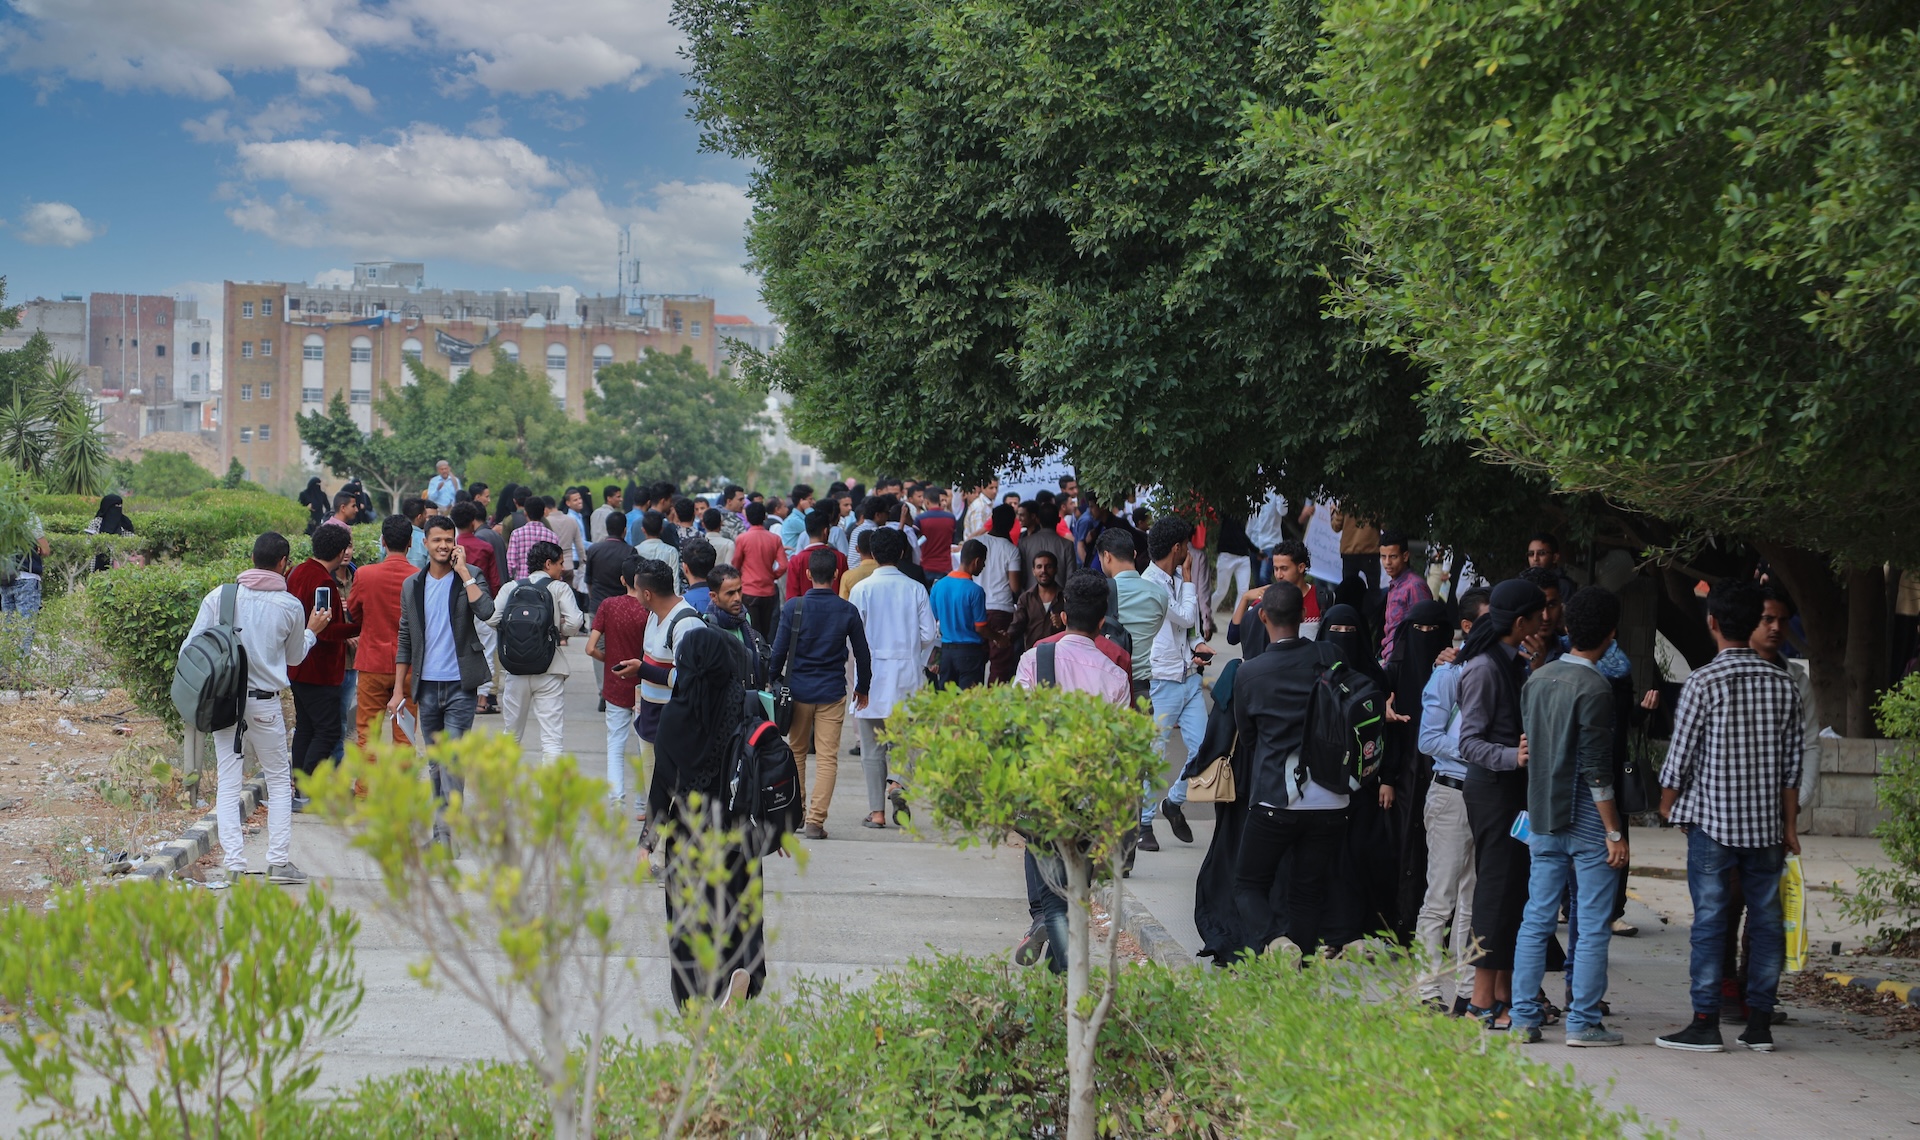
<point>901,633</point>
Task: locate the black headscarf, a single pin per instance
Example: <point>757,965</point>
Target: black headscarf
<point>1413,654</point>
<point>112,519</point>
<point>1512,600</point>
<point>503,503</point>
<point>1355,648</point>
<point>314,498</point>
<point>690,752</point>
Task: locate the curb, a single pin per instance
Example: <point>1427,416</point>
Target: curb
<point>197,839</point>
<point>1154,940</point>
<point>1907,992</point>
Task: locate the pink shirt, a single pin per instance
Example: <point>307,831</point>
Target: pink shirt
<point>757,554</point>
<point>1080,666</point>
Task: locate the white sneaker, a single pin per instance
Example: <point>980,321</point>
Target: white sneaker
<point>737,987</point>
<point>287,875</point>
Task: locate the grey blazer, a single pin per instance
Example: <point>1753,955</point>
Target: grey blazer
<point>475,670</point>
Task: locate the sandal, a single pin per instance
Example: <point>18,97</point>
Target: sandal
<point>1549,1012</point>
<point>876,819</point>
<point>1489,1016</point>
<point>897,796</point>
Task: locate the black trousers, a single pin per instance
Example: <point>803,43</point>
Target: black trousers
<point>962,663</point>
<point>764,615</point>
<point>316,724</point>
<point>728,915</point>
<point>1503,863</point>
<point>1313,839</point>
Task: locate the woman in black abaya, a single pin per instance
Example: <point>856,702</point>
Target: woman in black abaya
<point>692,759</point>
<point>1422,636</point>
<point>1362,899</point>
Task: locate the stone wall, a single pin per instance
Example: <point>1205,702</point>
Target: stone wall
<point>1844,802</point>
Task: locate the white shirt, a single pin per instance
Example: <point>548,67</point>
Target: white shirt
<point>1003,557</point>
<point>1263,529</point>
<point>1172,646</point>
<point>978,519</point>
<point>566,615</point>
<point>901,633</point>
<point>273,628</point>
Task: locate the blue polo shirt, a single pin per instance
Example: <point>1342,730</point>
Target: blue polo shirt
<point>960,606</point>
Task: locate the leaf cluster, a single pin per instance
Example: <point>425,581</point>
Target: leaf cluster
<point>665,418</point>
<point>1891,894</point>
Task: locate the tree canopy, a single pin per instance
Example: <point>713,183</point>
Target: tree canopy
<point>1664,251</point>
<point>667,418</point>
<point>995,229</point>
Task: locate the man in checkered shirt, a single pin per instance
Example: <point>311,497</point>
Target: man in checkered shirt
<point>1731,782</point>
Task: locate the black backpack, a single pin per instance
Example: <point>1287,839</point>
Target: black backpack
<point>764,788</point>
<point>528,637</point>
<point>210,677</point>
<point>1346,725</point>
<point>1111,629</point>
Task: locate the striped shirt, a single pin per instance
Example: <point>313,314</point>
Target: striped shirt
<point>1737,743</point>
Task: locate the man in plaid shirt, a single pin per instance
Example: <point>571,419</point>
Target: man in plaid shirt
<point>1731,782</point>
<point>521,542</point>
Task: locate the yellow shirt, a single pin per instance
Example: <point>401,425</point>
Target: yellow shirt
<point>856,575</point>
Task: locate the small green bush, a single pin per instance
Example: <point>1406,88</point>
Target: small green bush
<point>196,527</point>
<point>1892,893</point>
<point>143,613</point>
<point>163,475</point>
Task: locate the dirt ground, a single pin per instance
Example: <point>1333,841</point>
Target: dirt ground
<point>79,791</point>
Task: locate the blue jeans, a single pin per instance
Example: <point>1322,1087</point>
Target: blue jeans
<point>1181,703</point>
<point>962,663</point>
<point>1558,859</point>
<point>1710,866</point>
<point>19,603</point>
<point>445,708</point>
<point>349,698</point>
<point>1048,906</point>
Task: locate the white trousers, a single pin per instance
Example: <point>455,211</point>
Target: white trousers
<point>544,698</point>
<point>619,731</point>
<point>490,645</point>
<point>266,742</point>
<point>1450,882</point>
<point>1230,570</point>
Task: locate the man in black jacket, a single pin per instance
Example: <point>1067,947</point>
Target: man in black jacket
<point>1287,811</point>
<point>817,631</point>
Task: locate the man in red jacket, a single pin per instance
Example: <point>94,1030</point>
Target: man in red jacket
<point>375,607</point>
<point>317,679</point>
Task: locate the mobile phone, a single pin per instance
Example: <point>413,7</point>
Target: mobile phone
<point>323,598</point>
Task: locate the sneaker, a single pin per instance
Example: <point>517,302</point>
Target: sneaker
<point>287,875</point>
<point>1033,946</point>
<point>1758,1035</point>
<point>1702,1036</point>
<point>737,987</point>
<point>1176,817</point>
<point>813,831</point>
<point>1147,841</point>
<point>1624,929</point>
<point>1593,1037</point>
<point>300,802</point>
<point>1525,1034</point>
<point>1779,1017</point>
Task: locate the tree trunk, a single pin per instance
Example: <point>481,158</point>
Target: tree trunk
<point>1822,602</point>
<point>1081,1108</point>
<point>1866,648</point>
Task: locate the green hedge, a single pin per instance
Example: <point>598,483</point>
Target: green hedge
<point>966,1048</point>
<point>198,527</point>
<point>143,614</point>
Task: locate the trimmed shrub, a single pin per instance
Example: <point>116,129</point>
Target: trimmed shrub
<point>1891,894</point>
<point>143,613</point>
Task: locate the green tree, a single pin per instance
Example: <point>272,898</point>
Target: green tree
<point>1000,228</point>
<point>163,475</point>
<point>1691,291</point>
<point>667,418</point>
<point>389,461</point>
<point>512,413</point>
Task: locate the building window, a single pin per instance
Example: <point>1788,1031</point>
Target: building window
<point>266,433</point>
<point>159,350</point>
<point>266,392</point>
<point>194,384</point>
<point>293,304</point>
<point>602,356</point>
<point>313,348</point>
<point>266,348</point>
<point>246,435</point>
<point>696,330</point>
<point>196,348</point>
<point>806,459</point>
<point>246,391</point>
<point>246,350</point>
<point>509,350</point>
<point>312,395</point>
<point>410,348</point>
<point>246,308</point>
<point>160,319</point>
<point>266,310</point>
<point>557,356</point>
<point>362,396</point>
<point>678,325</point>
<point>360,354</point>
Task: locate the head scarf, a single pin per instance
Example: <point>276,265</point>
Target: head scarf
<point>112,519</point>
<point>503,502</point>
<point>1355,648</point>
<point>1414,651</point>
<point>314,498</point>
<point>697,724</point>
<point>1512,600</point>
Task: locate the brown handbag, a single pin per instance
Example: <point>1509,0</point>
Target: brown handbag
<point>1213,786</point>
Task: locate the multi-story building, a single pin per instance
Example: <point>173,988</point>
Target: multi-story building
<point>192,363</point>
<point>63,322</point>
<point>738,333</point>
<point>291,347</point>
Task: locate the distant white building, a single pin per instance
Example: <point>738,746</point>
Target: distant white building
<point>809,466</point>
<point>64,322</point>
<point>192,363</point>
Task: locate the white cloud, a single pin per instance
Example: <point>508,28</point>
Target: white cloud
<point>56,223</point>
<point>192,47</point>
<point>332,278</point>
<point>491,201</point>
<point>282,116</point>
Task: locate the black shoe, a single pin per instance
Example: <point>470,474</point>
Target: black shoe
<point>1526,1034</point>
<point>1758,1035</point>
<point>1460,1006</point>
<point>1176,818</point>
<point>300,802</point>
<point>1147,840</point>
<point>1127,845</point>
<point>1033,946</point>
<point>1702,1036</point>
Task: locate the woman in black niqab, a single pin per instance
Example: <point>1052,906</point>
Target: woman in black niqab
<point>692,758</point>
<point>1422,636</point>
<point>318,504</point>
<point>1363,897</point>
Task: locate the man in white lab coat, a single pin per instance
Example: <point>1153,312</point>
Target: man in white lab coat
<point>901,633</point>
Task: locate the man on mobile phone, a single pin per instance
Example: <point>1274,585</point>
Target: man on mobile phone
<point>317,680</point>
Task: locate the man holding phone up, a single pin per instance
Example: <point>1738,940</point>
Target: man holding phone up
<point>317,679</point>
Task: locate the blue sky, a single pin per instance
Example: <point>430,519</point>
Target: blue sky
<point>167,145</point>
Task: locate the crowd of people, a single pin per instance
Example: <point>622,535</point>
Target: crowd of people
<point>1498,800</point>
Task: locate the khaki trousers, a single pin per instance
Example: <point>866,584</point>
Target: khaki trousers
<point>370,704</point>
<point>816,729</point>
